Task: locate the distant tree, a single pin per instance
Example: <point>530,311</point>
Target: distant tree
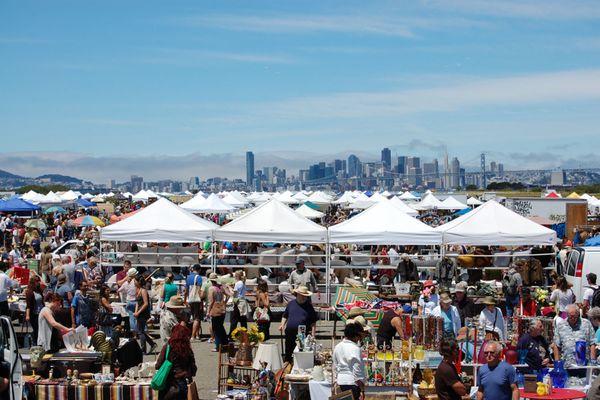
<point>42,189</point>
<point>505,186</point>
<point>587,188</point>
<point>471,187</point>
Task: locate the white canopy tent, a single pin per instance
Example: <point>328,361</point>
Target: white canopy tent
<point>308,212</point>
<point>272,221</point>
<point>345,198</point>
<point>377,197</point>
<point>212,204</point>
<point>234,201</point>
<point>161,222</point>
<point>301,197</point>
<point>473,201</point>
<point>492,224</point>
<point>33,197</point>
<point>403,207</point>
<point>450,203</point>
<point>384,223</point>
<point>287,198</point>
<point>69,196</point>
<point>408,196</point>
<point>429,202</point>
<point>51,198</point>
<point>319,198</point>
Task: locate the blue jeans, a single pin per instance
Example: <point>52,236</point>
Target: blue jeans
<point>143,335</point>
<point>130,310</point>
<point>511,303</point>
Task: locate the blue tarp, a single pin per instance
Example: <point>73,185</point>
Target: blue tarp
<point>593,241</point>
<point>15,204</point>
<point>462,212</point>
<point>85,203</point>
<point>559,229</point>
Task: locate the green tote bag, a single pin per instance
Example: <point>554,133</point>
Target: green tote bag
<point>159,380</point>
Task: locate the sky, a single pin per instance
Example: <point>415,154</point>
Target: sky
<point>176,89</point>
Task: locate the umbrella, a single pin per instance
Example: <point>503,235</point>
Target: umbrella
<point>55,209</point>
<point>35,223</point>
<point>88,220</point>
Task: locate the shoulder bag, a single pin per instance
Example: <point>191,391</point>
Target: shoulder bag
<point>159,380</point>
<point>194,293</point>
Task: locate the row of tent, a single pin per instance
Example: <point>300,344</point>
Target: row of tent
<point>383,223</point>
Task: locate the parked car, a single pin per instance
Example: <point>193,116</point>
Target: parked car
<point>580,262</point>
<point>66,246</point>
<point>11,364</point>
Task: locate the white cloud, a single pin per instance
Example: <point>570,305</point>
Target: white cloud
<point>521,90</point>
<point>191,57</point>
<point>547,9</point>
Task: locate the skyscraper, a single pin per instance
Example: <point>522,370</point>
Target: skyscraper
<point>354,167</point>
<point>137,183</point>
<point>249,168</point>
<point>413,162</point>
<point>401,167</point>
<point>455,173</point>
<point>386,160</point>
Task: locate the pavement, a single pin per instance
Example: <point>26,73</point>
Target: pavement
<point>208,361</point>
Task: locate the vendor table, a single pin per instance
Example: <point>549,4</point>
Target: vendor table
<point>104,391</point>
<point>557,394</point>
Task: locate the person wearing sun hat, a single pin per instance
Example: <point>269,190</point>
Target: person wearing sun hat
<point>217,300</point>
<point>464,305</point>
<point>171,315</point>
<point>298,312</point>
<point>429,299</point>
<point>450,315</point>
<point>491,319</point>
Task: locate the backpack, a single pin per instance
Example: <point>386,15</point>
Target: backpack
<point>595,298</point>
<point>510,285</point>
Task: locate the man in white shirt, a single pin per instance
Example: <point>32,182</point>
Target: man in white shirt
<point>491,319</point>
<point>5,284</point>
<point>449,313</point>
<point>348,363</point>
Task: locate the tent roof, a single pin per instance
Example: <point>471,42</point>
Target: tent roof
<point>319,198</point>
<point>429,202</point>
<point>473,201</point>
<point>51,197</point>
<point>408,196</point>
<point>212,204</point>
<point>69,196</point>
<point>347,197</point>
<point>308,212</point>
<point>573,195</point>
<point>85,203</point>
<point>163,222</point>
<point>493,224</point>
<point>450,203</point>
<point>287,198</point>
<point>272,221</point>
<point>384,223</point>
<point>377,197</point>
<point>15,204</point>
<point>552,195</point>
<point>233,200</point>
<point>300,197</point>
<point>403,207</point>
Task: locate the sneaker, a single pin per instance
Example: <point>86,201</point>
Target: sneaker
<point>152,349</point>
<point>211,340</point>
<point>215,350</point>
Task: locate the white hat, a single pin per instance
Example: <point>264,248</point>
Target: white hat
<point>132,272</point>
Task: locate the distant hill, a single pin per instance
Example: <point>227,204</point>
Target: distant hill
<point>60,178</point>
<point>7,175</point>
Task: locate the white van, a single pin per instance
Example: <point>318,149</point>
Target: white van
<point>10,359</point>
<point>580,262</point>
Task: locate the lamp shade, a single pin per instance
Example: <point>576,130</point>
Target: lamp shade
<point>268,352</point>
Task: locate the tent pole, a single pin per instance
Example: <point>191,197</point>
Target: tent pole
<point>213,257</point>
<point>327,272</point>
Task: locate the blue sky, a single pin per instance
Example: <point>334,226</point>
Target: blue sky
<point>85,87</point>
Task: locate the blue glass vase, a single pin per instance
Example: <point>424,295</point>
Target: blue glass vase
<point>559,375</point>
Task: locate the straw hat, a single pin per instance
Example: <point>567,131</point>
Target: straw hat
<point>444,298</point>
<point>213,276</point>
<point>132,272</point>
<point>175,302</point>
<point>489,301</point>
<point>461,287</point>
<point>361,321</point>
<point>355,312</point>
<point>303,291</point>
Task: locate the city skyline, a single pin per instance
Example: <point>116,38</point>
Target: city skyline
<point>197,80</point>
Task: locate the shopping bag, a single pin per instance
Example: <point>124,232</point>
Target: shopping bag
<point>192,392</point>
<point>159,380</point>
